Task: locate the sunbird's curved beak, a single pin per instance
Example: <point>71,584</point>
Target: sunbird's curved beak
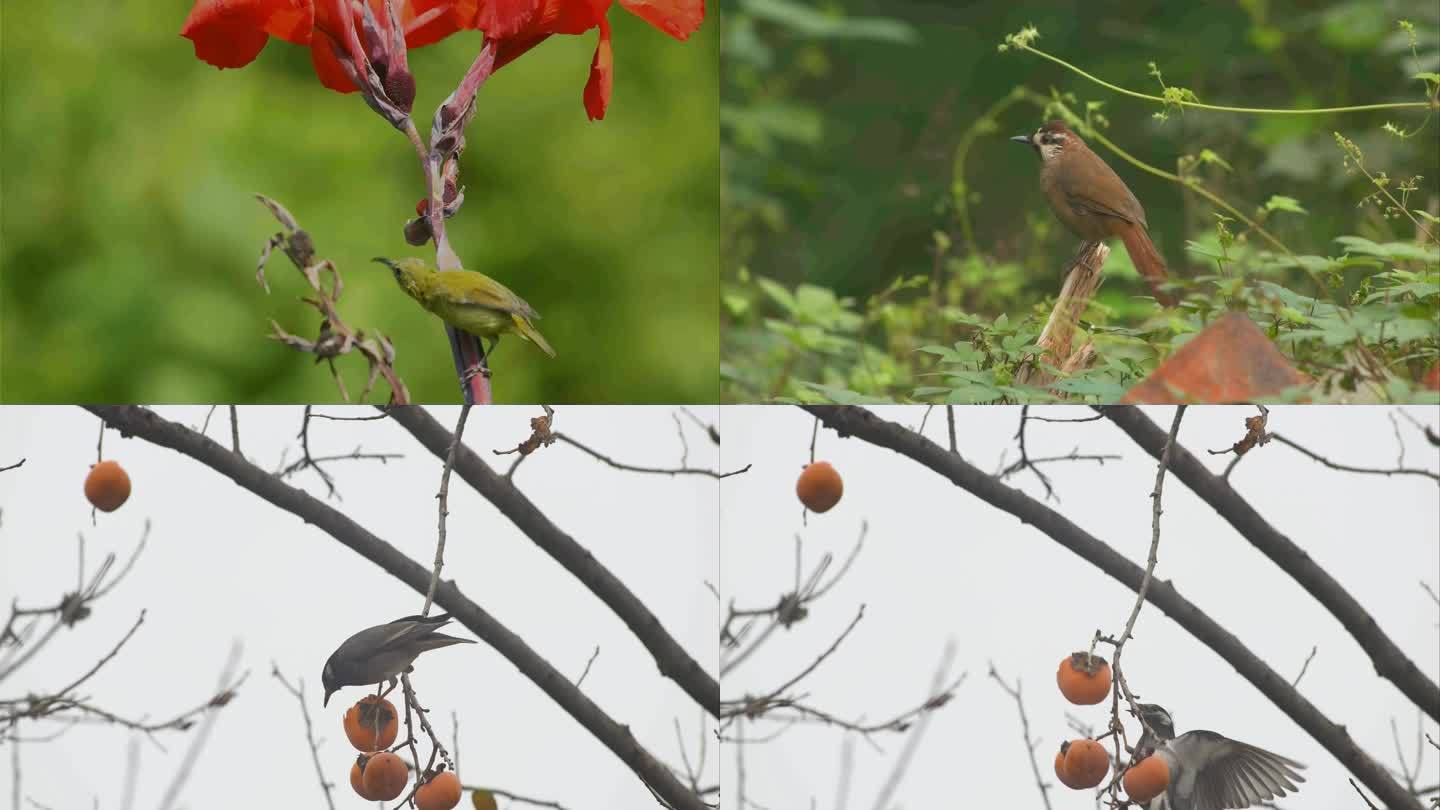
<point>1025,139</point>
<point>384,261</point>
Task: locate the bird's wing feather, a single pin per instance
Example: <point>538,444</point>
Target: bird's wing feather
<point>402,631</point>
<point>471,289</point>
<point>1091,205</point>
<point>1233,774</point>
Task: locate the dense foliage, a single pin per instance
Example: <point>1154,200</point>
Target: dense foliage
<point>883,241</point>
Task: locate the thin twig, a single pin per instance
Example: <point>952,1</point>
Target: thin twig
<point>443,496</point>
<point>1030,745</point>
<point>912,744</point>
<point>597,455</point>
<point>299,693</point>
<point>588,663</point>
<point>235,430</point>
<point>197,744</point>
<point>1305,666</point>
<point>1349,468</point>
<point>1121,685</point>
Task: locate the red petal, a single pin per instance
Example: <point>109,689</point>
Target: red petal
<point>327,66</point>
<point>500,19</point>
<point>508,50</point>
<point>292,21</point>
<point>597,89</point>
<point>437,19</point>
<point>570,16</point>
<point>678,18</point>
<point>227,34</point>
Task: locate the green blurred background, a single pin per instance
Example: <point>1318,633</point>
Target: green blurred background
<point>841,125</point>
<point>129,233</point>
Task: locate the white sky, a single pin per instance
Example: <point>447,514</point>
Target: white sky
<point>222,564</point>
<point>939,564</point>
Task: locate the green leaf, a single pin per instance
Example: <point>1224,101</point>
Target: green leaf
<point>976,394</point>
<point>762,121</point>
<point>1197,248</point>
<point>1427,77</point>
<point>1395,251</point>
<point>1103,390</point>
<point>1206,156</point>
<point>1279,203</point>
<point>844,396</point>
<point>778,294</point>
<point>815,23</point>
<point>735,303</point>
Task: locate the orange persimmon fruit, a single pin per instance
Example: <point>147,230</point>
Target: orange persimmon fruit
<point>1060,768</point>
<point>1086,763</point>
<point>385,777</point>
<point>1146,779</point>
<point>1084,679</point>
<point>107,486</point>
<point>819,487</point>
<point>362,720</point>
<point>483,800</point>
<point>440,793</point>
<point>357,779</point>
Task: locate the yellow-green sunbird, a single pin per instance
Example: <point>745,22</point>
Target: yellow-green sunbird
<point>468,300</point>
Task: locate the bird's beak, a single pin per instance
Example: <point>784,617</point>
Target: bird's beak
<point>326,701</point>
<point>385,262</point>
<point>1025,139</point>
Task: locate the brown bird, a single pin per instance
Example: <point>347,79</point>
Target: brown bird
<point>1092,201</point>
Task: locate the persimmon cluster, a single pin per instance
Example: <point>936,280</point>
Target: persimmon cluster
<point>1084,679</point>
<point>372,725</point>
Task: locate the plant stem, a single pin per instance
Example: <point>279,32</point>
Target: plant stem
<point>1393,105</point>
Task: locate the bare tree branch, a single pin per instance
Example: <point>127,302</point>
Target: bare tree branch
<point>672,659</point>
<point>851,421</point>
<point>143,423</point>
<point>1389,660</point>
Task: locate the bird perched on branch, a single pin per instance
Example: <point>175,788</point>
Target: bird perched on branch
<point>383,652</point>
<point>468,300</point>
<point>1212,772</point>
<point>1092,201</point>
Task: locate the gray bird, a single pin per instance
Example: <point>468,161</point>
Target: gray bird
<point>382,652</point>
<point>1212,772</point>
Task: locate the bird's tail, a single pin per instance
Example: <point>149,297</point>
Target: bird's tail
<point>1147,260</point>
<point>434,641</point>
<point>528,331</point>
<point>437,620</point>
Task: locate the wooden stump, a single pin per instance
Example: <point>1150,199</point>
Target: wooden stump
<point>1057,339</point>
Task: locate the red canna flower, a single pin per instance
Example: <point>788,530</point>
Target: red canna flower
<point>231,33</point>
<point>516,26</point>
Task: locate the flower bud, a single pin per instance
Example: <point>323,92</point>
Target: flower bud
<point>417,231</point>
<point>400,87</point>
